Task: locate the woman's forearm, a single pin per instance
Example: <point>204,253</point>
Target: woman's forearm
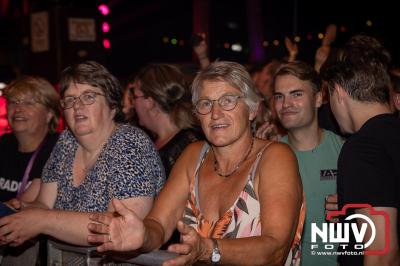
<point>261,250</point>
<point>154,235</point>
<point>67,226</point>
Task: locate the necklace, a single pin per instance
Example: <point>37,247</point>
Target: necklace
<point>237,166</point>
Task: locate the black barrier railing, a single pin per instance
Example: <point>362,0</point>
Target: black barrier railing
<point>62,254</point>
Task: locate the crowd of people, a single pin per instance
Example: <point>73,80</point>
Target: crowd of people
<point>235,168</point>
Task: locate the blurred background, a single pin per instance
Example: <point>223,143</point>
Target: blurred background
<point>44,36</point>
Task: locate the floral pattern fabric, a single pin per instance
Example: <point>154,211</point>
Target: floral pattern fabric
<point>128,167</point>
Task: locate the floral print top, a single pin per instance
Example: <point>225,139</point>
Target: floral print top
<point>242,219</point>
<point>128,166</point>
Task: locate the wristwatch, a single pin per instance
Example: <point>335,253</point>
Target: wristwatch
<point>215,255</point>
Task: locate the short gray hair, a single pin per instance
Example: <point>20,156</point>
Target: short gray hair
<point>232,73</point>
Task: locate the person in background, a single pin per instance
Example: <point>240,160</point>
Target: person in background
<point>128,107</point>
<point>326,119</point>
<point>200,49</point>
<point>395,90</point>
<point>232,198</point>
<point>297,92</point>
<point>292,49</point>
<point>33,114</point>
<point>162,104</point>
<point>95,160</point>
<point>369,162</point>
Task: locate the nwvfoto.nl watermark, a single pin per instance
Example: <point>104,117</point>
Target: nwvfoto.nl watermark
<point>332,234</point>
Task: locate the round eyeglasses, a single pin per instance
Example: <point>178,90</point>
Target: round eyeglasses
<point>12,103</point>
<point>86,98</point>
<point>226,102</point>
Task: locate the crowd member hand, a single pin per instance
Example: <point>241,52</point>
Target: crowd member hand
<point>191,249</point>
<point>119,233</point>
<point>201,49</point>
<point>267,131</point>
<point>330,35</point>
<point>15,229</point>
<point>331,204</point>
<point>292,49</point>
<point>321,55</point>
<point>322,52</point>
<point>15,204</point>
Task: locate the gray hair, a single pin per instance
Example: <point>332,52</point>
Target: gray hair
<point>232,73</point>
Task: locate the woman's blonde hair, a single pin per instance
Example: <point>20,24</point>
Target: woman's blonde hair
<point>42,92</point>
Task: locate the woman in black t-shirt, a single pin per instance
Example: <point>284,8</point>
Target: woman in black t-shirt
<point>33,115</point>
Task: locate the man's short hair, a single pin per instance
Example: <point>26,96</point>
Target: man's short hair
<point>360,68</point>
<point>302,71</point>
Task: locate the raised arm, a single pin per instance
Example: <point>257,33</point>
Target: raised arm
<point>292,48</point>
<point>200,48</point>
<point>323,51</point>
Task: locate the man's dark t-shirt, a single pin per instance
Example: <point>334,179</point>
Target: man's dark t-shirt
<point>369,170</point>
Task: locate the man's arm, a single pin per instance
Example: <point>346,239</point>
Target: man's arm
<point>393,256</point>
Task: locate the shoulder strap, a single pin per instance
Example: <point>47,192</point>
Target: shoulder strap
<point>202,156</point>
<point>195,178</point>
<point>259,155</point>
<point>28,170</point>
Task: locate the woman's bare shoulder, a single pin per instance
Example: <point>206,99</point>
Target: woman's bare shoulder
<point>274,148</point>
<point>277,154</point>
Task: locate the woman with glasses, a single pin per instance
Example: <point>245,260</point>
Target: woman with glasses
<point>33,115</point>
<point>95,160</point>
<point>235,199</point>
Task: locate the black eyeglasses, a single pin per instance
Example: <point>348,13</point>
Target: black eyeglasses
<point>226,102</point>
<point>86,98</point>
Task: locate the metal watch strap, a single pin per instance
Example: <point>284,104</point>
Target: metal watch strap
<point>216,254</point>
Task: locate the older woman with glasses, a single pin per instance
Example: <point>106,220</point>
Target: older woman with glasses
<point>95,160</point>
<point>33,114</point>
<point>236,199</point>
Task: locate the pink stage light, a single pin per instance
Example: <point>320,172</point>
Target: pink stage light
<point>105,27</point>
<point>106,44</point>
<point>104,9</point>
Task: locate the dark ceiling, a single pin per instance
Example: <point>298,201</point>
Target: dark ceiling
<point>139,27</point>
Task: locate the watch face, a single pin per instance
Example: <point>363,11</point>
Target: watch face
<point>215,257</point>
